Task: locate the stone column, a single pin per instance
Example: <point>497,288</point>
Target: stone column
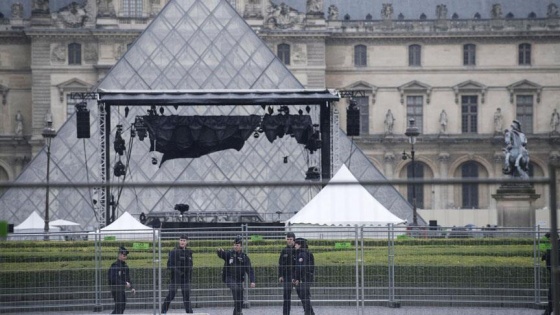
<point>515,205</point>
<point>442,191</point>
<point>389,162</point>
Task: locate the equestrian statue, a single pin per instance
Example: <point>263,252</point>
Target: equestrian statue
<point>516,162</point>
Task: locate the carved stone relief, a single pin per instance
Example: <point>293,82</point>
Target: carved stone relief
<point>90,53</point>
<point>253,9</point>
<point>119,50</point>
<point>441,12</point>
<point>58,53</point>
<point>40,6</point>
<point>71,16</point>
<point>105,8</point>
<point>496,12</point>
<point>552,11</point>
<point>282,16</point>
<point>299,54</point>
<point>315,7</point>
<point>17,10</point>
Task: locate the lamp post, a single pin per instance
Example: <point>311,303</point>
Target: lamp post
<point>48,133</point>
<point>412,132</point>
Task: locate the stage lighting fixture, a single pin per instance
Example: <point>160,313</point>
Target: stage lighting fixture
<point>312,173</point>
<point>119,169</point>
<point>119,143</point>
<point>140,127</point>
<point>182,208</point>
<point>154,161</point>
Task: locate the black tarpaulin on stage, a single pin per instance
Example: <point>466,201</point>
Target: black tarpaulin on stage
<point>195,136</point>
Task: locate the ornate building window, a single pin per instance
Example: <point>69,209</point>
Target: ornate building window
<point>284,53</point>
<point>524,112</point>
<point>132,8</point>
<point>525,54</point>
<point>363,104</point>
<point>360,56</point>
<point>414,55</point>
<point>418,188</point>
<point>415,109</point>
<point>74,54</point>
<point>469,190</point>
<point>469,113</point>
<point>469,55</point>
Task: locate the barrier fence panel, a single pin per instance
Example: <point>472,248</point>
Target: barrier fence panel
<point>355,266</point>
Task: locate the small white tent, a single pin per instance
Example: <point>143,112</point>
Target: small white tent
<point>33,224</point>
<point>346,205</point>
<point>126,227</point>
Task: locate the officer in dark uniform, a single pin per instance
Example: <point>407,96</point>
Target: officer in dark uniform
<point>236,265</point>
<point>119,280</point>
<point>303,274</point>
<point>286,265</point>
<point>547,257</point>
<point>180,266</point>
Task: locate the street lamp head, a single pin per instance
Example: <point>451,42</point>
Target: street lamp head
<point>48,132</point>
<point>412,131</point>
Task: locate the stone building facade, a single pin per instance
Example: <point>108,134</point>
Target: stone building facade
<point>464,71</point>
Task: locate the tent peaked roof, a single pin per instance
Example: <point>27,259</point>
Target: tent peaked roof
<point>33,221</point>
<point>126,222</point>
<point>198,44</point>
<point>344,204</point>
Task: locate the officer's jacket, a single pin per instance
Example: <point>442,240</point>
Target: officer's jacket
<point>119,275</point>
<point>236,265</point>
<point>305,266</point>
<point>286,263</point>
<point>180,263</point>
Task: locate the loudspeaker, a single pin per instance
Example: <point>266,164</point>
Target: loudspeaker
<point>353,121</point>
<point>82,124</point>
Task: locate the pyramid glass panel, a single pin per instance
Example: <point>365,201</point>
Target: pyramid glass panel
<point>191,44</point>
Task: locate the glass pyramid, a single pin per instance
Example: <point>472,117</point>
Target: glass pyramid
<point>190,45</point>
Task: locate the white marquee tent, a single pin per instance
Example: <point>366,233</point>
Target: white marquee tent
<point>347,205</point>
<point>126,227</point>
<point>33,224</point>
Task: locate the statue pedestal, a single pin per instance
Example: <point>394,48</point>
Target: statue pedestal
<point>515,205</point>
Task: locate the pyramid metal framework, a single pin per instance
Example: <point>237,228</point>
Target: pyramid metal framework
<point>192,45</point>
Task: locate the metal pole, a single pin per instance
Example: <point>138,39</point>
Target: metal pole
<point>554,239</point>
<point>47,197</point>
<point>414,215</point>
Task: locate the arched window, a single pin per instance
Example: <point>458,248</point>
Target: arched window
<point>469,190</point>
<point>524,54</point>
<point>74,54</point>
<point>469,54</point>
<point>360,56</point>
<point>416,190</point>
<point>284,53</point>
<point>414,55</point>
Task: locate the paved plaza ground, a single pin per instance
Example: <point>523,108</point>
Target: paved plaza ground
<point>333,310</point>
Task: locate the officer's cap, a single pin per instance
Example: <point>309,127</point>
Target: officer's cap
<point>301,241</point>
<point>238,240</point>
<point>184,237</point>
<point>123,250</point>
<point>291,235</point>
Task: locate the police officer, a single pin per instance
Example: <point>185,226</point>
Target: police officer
<point>286,267</point>
<point>180,265</point>
<point>547,257</point>
<point>119,281</point>
<point>303,274</point>
<point>236,265</point>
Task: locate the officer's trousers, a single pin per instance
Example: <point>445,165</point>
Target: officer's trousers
<point>120,301</point>
<point>304,294</point>
<point>287,296</point>
<point>237,293</point>
<point>185,290</point>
